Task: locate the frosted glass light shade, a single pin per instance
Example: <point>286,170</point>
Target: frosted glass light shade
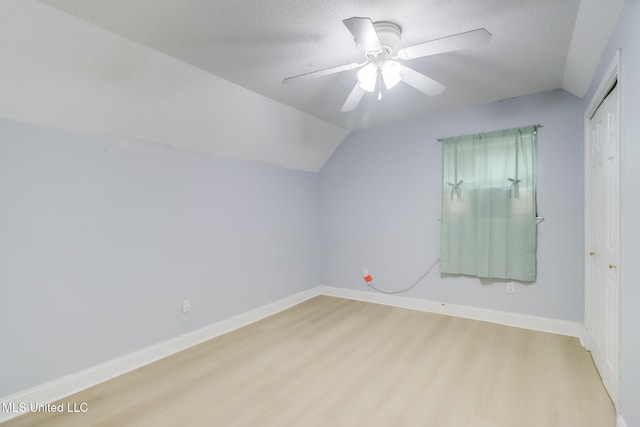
<point>368,77</point>
<point>390,71</point>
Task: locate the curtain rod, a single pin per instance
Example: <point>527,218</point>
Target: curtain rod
<point>535,126</point>
<point>539,219</point>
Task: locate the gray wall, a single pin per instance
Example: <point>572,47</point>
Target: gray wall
<point>102,239</point>
<point>627,37</point>
<point>380,200</point>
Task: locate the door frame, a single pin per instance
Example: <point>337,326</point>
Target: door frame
<point>611,77</point>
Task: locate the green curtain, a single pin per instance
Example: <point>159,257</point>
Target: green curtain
<point>489,205</point>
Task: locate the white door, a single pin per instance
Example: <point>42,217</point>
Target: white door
<point>602,306</point>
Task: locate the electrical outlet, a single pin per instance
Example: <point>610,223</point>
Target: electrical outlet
<point>511,287</point>
<point>186,306</point>
<point>365,272</point>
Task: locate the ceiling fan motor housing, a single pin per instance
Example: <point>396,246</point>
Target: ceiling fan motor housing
<point>389,34</point>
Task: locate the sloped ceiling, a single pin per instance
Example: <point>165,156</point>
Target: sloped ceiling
<point>205,75</point>
<point>57,70</point>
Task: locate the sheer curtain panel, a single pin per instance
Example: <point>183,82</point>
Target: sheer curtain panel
<point>489,205</point>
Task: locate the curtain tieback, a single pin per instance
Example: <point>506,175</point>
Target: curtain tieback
<point>456,189</point>
<point>514,190</point>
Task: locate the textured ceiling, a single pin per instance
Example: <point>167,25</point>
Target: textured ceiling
<point>255,44</point>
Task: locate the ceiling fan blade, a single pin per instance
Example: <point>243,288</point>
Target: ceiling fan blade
<point>353,99</point>
<point>446,44</point>
<point>364,33</point>
<point>323,72</point>
<point>421,82</point>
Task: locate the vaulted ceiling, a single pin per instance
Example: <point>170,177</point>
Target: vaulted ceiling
<point>256,44</point>
<point>253,45</point>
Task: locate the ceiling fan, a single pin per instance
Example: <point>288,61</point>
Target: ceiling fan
<point>378,41</point>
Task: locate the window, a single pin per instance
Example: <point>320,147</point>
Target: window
<point>489,204</point>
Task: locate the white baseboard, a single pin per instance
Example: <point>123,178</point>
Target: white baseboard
<point>584,336</point>
<point>543,324</point>
<point>620,422</point>
<point>70,384</point>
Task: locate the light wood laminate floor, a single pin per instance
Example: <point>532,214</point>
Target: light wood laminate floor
<point>334,362</point>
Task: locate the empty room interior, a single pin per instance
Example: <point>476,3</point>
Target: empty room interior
<point>300,213</point>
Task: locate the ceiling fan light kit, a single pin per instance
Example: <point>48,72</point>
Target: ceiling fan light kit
<point>369,74</point>
<point>379,41</point>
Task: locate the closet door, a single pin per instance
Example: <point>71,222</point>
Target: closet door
<point>602,291</point>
